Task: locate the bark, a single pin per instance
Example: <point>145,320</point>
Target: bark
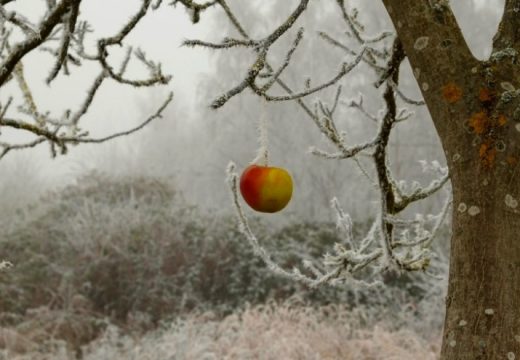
<point>508,34</point>
<point>477,115</point>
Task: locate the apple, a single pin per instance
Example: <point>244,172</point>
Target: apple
<point>266,189</point>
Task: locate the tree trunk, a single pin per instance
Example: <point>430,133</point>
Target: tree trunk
<point>476,110</point>
<point>483,302</point>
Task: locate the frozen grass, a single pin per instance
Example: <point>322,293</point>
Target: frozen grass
<point>263,332</point>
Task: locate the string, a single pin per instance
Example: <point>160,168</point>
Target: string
<point>262,156</point>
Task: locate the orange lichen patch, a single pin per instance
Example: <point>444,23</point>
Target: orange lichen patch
<point>487,153</point>
<point>451,92</point>
<point>479,122</point>
<point>512,161</point>
<point>502,120</point>
<point>485,95</point>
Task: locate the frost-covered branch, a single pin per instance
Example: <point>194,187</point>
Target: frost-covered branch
<point>63,140</point>
<point>62,25</point>
<point>69,25</point>
<point>420,193</point>
<point>344,70</point>
<point>423,238</point>
<point>358,104</point>
<point>50,21</point>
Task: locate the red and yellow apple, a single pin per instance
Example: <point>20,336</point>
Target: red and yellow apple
<point>266,189</point>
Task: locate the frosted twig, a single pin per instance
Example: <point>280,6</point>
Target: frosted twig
<point>19,21</point>
<point>359,105</point>
<point>69,25</point>
<point>278,72</point>
<point>46,27</point>
<point>427,240</point>
<point>344,222</point>
<point>405,98</point>
<point>420,194</point>
<point>157,76</point>
<point>346,152</point>
<point>344,70</point>
<point>156,115</point>
<point>226,43</point>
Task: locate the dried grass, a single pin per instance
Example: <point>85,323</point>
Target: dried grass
<point>269,332</point>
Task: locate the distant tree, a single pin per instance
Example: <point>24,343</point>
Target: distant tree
<point>65,36</point>
<point>475,107</point>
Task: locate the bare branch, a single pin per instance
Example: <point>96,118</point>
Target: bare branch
<point>426,241</point>
<point>18,21</point>
<point>156,115</point>
<point>278,72</point>
<point>421,194</point>
<point>344,70</point>
<point>68,29</point>
<point>44,30</point>
<point>103,44</point>
<point>226,44</point>
<point>62,141</point>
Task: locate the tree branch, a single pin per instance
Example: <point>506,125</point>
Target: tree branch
<point>45,29</point>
